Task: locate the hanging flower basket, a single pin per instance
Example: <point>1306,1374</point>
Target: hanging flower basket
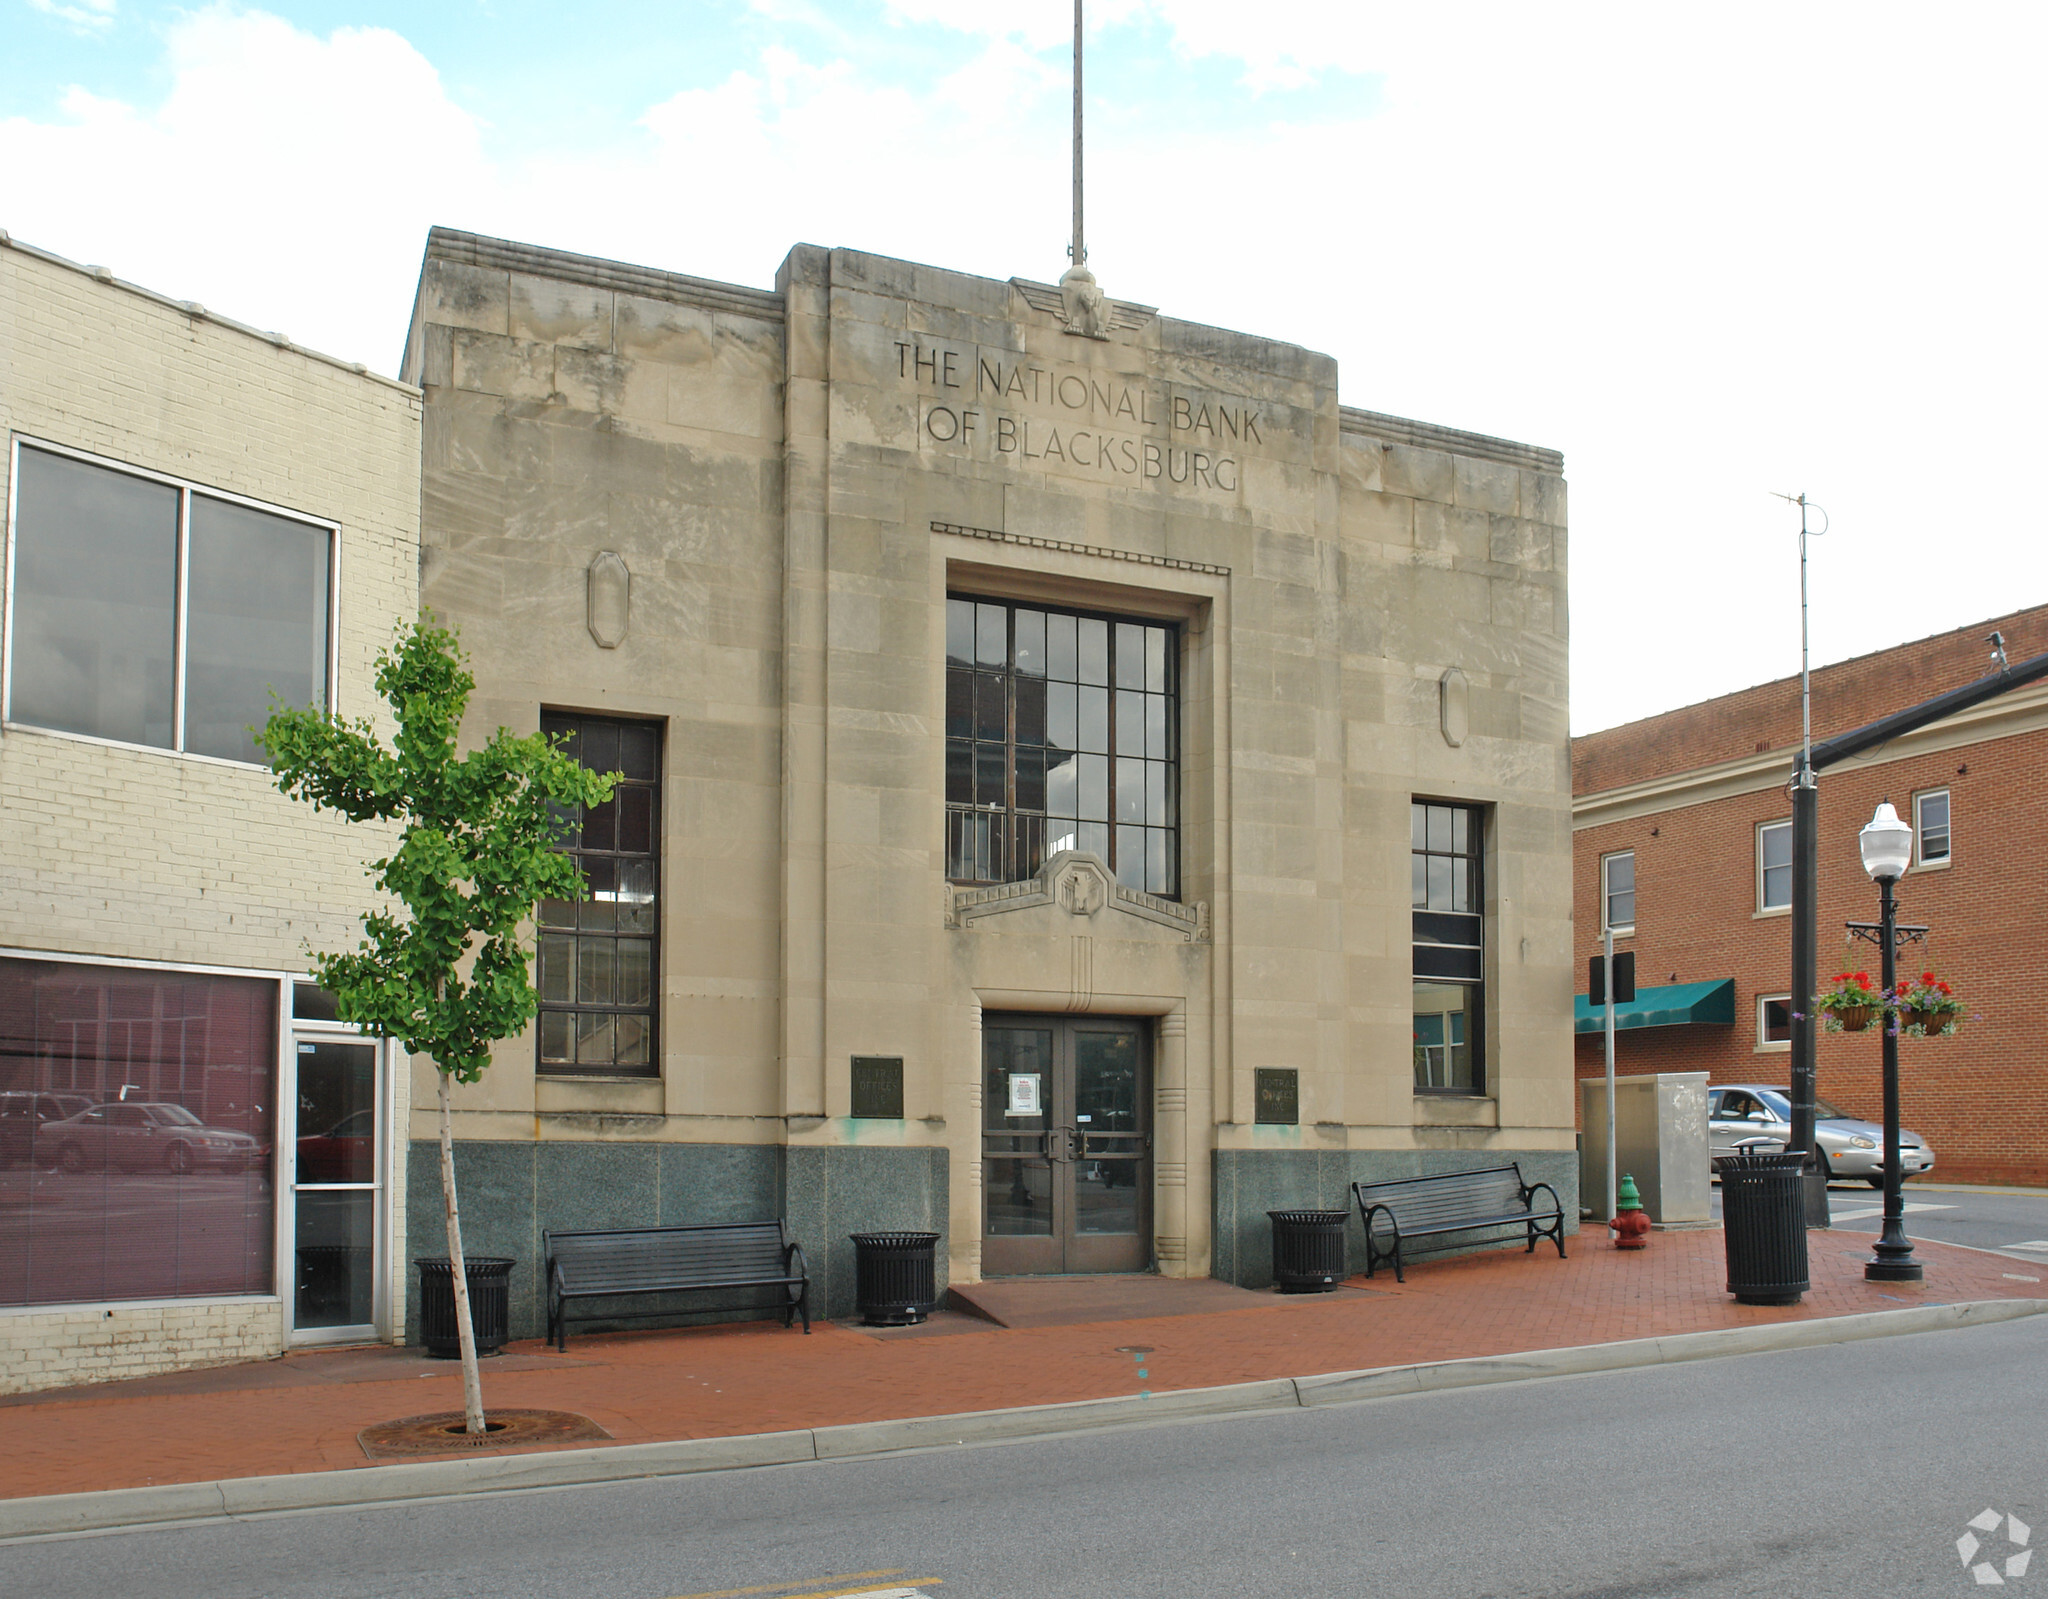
<point>1849,1005</point>
<point>1928,1008</point>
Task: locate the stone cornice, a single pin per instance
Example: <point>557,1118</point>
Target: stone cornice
<point>1429,436</point>
<point>2023,711</point>
<point>507,255</point>
<point>1134,557</point>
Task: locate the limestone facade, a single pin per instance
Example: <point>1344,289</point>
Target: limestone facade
<point>739,514</point>
<point>173,867</point>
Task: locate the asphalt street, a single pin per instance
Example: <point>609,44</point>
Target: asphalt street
<point>2009,1222</point>
<point>1842,1472</point>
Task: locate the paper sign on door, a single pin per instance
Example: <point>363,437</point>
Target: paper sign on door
<point>1024,1094</point>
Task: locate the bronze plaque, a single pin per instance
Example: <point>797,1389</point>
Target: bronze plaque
<point>1277,1095</point>
<point>878,1087</point>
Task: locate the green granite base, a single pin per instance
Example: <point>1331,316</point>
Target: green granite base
<point>512,1192</point>
<point>1250,1182</point>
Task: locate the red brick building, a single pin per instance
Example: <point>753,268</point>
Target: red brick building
<point>1682,833</point>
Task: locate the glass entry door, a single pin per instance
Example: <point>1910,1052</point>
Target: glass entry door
<point>1066,1145</point>
<point>337,1189</point>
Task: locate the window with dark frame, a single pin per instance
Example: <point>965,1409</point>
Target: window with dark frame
<point>598,958</point>
<point>1930,827</point>
<point>1062,732</point>
<point>1446,851</point>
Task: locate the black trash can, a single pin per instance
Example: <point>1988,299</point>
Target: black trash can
<point>1308,1250</point>
<point>895,1277</point>
<point>490,1304</point>
<point>1763,1226</point>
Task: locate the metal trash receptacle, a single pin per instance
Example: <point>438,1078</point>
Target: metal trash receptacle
<point>1308,1250</point>
<point>895,1277</point>
<point>1763,1228</point>
<point>490,1304</point>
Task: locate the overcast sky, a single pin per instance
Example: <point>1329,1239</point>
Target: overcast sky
<point>1708,252</point>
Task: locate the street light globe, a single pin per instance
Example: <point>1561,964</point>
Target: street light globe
<point>1887,844</point>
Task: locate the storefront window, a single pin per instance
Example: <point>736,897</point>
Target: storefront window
<point>136,1110</point>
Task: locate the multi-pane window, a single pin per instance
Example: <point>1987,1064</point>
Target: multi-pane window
<point>1618,892</point>
<point>1445,854</point>
<point>597,961</point>
<point>1774,866</point>
<point>1061,733</point>
<point>152,612</point>
<point>1930,827</point>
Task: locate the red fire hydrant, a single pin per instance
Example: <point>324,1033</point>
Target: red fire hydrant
<point>1631,1226</point>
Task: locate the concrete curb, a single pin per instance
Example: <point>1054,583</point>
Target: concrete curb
<point>443,1479</point>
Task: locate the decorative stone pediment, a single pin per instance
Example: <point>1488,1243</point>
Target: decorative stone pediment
<point>1077,883</point>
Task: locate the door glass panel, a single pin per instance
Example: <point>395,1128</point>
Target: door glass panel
<point>1017,1173</point>
<point>1109,1146</point>
<point>335,1233</point>
<point>337,1250</point>
<point>337,1117</point>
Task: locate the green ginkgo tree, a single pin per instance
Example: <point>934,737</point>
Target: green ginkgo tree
<point>446,972</point>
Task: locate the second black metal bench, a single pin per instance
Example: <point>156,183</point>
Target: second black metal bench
<point>622,1262</point>
<point>1398,1213</point>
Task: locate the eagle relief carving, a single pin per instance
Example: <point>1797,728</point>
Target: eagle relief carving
<point>1083,890</point>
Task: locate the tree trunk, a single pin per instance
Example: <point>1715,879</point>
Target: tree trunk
<point>472,1381</point>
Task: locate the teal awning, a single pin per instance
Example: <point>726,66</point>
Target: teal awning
<point>1670,1006</point>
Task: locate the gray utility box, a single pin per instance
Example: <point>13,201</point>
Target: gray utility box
<point>1660,1139</point>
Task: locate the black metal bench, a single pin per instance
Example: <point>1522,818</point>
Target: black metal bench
<point>625,1261</point>
<point>1455,1202</point>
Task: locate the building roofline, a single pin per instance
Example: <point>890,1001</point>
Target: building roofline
<point>508,255</point>
<point>481,250</point>
<point>199,313</point>
<point>2028,612</point>
<point>2023,711</point>
<point>1431,436</point>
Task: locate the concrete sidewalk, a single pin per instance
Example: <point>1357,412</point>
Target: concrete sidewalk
<point>298,1417</point>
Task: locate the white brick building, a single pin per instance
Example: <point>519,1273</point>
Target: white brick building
<point>192,1168</point>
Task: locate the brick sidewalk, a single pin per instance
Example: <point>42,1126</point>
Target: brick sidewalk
<point>302,1413</point>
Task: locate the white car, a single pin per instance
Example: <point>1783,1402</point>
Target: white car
<point>1848,1147</point>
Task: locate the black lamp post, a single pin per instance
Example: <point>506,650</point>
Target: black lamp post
<point>1887,845</point>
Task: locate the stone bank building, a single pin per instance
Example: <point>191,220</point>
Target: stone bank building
<point>1082,786</point>
<point>1080,792</point>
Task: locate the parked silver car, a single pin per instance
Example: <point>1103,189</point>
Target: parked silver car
<point>1849,1147</point>
<point>142,1133</point>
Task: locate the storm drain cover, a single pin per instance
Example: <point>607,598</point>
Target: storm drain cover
<point>442,1434</point>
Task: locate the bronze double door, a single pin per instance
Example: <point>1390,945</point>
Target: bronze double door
<point>1066,1144</point>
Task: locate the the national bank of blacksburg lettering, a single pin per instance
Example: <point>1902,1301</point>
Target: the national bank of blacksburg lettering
<point>1079,792</point>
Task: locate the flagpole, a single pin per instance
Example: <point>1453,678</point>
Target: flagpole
<point>1079,248</point>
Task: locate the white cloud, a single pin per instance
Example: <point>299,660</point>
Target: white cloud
<point>1777,249</point>
<point>86,16</point>
<point>285,179</point>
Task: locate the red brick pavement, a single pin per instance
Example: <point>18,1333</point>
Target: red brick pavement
<point>302,1413</point>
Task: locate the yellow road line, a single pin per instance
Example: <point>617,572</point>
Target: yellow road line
<point>792,1587</point>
